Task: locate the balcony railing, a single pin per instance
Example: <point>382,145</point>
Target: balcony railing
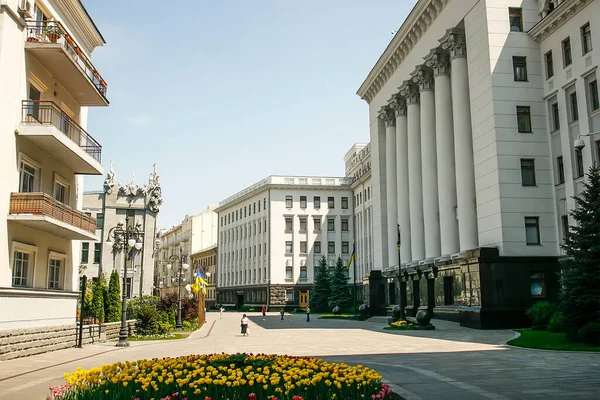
<point>54,32</point>
<point>47,112</point>
<point>42,204</point>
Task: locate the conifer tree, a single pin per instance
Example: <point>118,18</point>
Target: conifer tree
<point>580,297</point>
<point>97,310</point>
<point>340,295</point>
<point>320,294</point>
<point>114,299</point>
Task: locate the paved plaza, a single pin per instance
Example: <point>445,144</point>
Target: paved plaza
<point>449,363</point>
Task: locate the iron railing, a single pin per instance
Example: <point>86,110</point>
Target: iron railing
<point>54,32</point>
<point>39,203</point>
<point>48,112</point>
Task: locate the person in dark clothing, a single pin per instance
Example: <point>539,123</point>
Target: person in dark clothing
<point>282,312</point>
<point>307,314</point>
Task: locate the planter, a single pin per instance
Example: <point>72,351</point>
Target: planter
<point>103,83</point>
<point>32,39</point>
<point>70,40</point>
<point>96,74</point>
<point>78,51</point>
<point>53,37</point>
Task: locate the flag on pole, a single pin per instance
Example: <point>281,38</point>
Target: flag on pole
<point>352,257</point>
<point>398,241</point>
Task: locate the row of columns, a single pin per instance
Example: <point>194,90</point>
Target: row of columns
<point>430,175</point>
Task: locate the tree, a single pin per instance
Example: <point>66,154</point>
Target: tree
<point>340,295</point>
<point>320,294</point>
<point>97,310</point>
<point>114,306</point>
<point>580,297</point>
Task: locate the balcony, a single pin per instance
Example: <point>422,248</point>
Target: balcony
<point>52,130</point>
<point>40,211</point>
<point>55,49</point>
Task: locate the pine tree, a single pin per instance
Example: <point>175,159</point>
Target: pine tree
<point>340,295</point>
<point>580,297</point>
<point>97,310</point>
<point>320,294</point>
<point>114,299</point>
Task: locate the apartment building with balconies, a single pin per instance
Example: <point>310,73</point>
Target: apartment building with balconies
<point>48,82</point>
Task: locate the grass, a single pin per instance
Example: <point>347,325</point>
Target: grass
<point>346,317</point>
<point>177,335</point>
<point>549,341</point>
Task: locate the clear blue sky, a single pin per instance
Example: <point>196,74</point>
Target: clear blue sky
<point>221,94</point>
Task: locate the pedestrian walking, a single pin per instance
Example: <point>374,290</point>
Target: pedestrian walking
<point>244,325</point>
<point>282,312</point>
<point>221,311</point>
<point>307,314</point>
<point>264,311</point>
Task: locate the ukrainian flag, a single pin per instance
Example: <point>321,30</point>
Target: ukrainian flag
<point>352,257</point>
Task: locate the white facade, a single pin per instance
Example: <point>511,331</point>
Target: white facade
<point>47,82</point>
<point>273,234</point>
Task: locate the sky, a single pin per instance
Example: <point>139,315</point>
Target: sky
<point>221,94</point>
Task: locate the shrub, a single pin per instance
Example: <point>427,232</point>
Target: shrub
<point>190,309</point>
<point>245,308</point>
<point>191,325</point>
<point>590,334</point>
<point>540,314</point>
<point>168,301</point>
<point>557,322</point>
<point>113,299</point>
<point>97,310</point>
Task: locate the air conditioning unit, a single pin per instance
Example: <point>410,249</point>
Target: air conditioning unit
<point>25,8</point>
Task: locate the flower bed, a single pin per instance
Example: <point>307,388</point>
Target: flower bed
<point>400,325</point>
<point>224,376</point>
<point>339,316</point>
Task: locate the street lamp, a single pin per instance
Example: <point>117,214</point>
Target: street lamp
<point>129,239</point>
<point>182,259</point>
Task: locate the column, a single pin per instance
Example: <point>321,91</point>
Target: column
<point>389,118</point>
<point>410,92</point>
<point>398,104</point>
<point>454,42</point>
<point>424,78</point>
<point>439,62</point>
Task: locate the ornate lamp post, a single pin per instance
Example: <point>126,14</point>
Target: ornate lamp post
<point>128,238</point>
<point>182,259</point>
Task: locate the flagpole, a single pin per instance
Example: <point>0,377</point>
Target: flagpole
<point>354,275</point>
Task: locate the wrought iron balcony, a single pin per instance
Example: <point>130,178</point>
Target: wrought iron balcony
<point>50,43</point>
<point>40,211</point>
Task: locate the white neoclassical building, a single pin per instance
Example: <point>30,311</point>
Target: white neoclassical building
<point>483,118</point>
<point>47,83</point>
<point>273,234</point>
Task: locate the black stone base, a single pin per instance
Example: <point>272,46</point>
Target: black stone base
<point>424,328</point>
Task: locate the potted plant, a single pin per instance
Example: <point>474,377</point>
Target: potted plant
<point>96,74</point>
<point>70,40</point>
<point>78,51</point>
<point>53,33</point>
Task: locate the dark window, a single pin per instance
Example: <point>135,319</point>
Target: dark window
<point>555,117</point>
<point>538,285</point>
<point>99,220</point>
<point>564,219</point>
<point>128,287</point>
<point>245,212</point>
<point>345,225</point>
<point>317,222</point>
<point>516,19</point>
<point>303,247</point>
<point>345,248</point>
<point>303,272</point>
<point>331,247</point>
<point>532,230</point>
<point>578,163</point>
<point>330,202</point>
<point>85,251</point>
<point>549,65</point>
<point>259,206</point>
<point>560,169</point>
<point>520,68</point>
<point>597,153</point>
<point>573,107</point>
<point>289,249</point>
<point>527,172</point>
<point>566,49</point>
<point>289,224</point>
<point>594,100</point>
<point>303,224</point>
<point>317,247</point>
<point>317,201</point>
<point>289,201</point>
<point>523,119</point>
<point>448,290</point>
<point>302,201</point>
<point>586,38</point>
<point>330,224</point>
<point>344,203</point>
<point>254,207</point>
<point>97,253</point>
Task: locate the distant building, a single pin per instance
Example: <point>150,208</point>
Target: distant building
<point>273,234</point>
<point>206,261</point>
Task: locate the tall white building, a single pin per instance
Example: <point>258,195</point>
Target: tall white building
<point>476,107</point>
<point>273,234</point>
<point>48,82</point>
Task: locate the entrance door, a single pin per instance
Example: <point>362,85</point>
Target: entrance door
<point>304,298</point>
<point>392,292</point>
<point>240,300</point>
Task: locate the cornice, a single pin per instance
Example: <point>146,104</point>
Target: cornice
<point>558,17</point>
<point>79,21</point>
<point>422,16</point>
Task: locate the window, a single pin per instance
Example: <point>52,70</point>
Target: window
<point>594,100</point>
<point>330,224</point>
<point>344,203</point>
<point>254,207</point>
<point>303,247</point>
<point>566,50</point>
<point>303,272</point>
<point>573,107</point>
<point>330,202</point>
<point>289,294</point>
<point>244,212</point>
<point>523,119</point>
<point>289,272</point>
<point>303,224</point>
<point>85,252</point>
<point>564,219</point>
<point>331,247</point>
<point>289,224</point>
<point>20,272</point>
<point>302,201</point>
<point>532,230</point>
<point>317,201</point>
<point>289,249</point>
<point>265,204</point>
<point>317,247</point>
<point>538,285</point>
<point>555,117</point>
<point>97,253</point>
<point>597,153</point>
<point>99,220</point>
<point>549,65</point>
<point>289,201</point>
<point>27,177</point>
<point>578,164</point>
<point>520,69</point>
<point>586,38</point>
<point>448,290</point>
<point>528,172</point>
<point>128,287</point>
<point>345,248</point>
<point>54,274</point>
<point>516,19</point>
<point>259,206</point>
<point>345,225</point>
<point>317,221</point>
<point>560,166</point>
